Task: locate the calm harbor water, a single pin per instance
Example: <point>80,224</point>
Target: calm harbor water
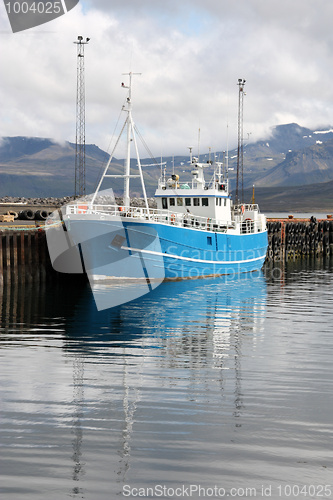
<point>202,389</point>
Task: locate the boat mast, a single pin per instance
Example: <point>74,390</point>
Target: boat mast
<point>130,137</point>
<point>129,124</point>
<point>240,150</point>
<point>126,201</point>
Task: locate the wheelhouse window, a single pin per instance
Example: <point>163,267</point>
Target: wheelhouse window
<point>171,202</point>
<point>196,202</point>
<point>165,203</point>
<point>204,202</point>
<point>179,202</point>
<point>187,202</point>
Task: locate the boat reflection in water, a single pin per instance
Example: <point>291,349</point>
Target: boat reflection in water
<point>140,369</point>
<point>213,305</point>
<point>194,326</point>
<point>182,330</point>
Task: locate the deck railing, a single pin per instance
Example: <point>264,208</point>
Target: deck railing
<point>163,217</point>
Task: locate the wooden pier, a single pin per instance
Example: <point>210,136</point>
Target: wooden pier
<point>24,254</point>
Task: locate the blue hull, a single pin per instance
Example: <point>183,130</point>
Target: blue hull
<point>116,248</point>
<point>189,253</point>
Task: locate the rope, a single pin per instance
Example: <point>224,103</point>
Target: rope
<point>29,228</point>
<point>20,228</point>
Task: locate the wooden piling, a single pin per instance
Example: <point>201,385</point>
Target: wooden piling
<point>24,255</point>
<point>1,260</point>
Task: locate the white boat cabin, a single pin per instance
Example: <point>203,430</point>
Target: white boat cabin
<point>197,197</point>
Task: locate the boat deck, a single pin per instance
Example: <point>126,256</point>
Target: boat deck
<point>243,225</point>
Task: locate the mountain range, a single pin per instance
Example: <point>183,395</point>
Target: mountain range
<point>291,169</point>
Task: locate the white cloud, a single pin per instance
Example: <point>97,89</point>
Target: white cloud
<point>190,54</point>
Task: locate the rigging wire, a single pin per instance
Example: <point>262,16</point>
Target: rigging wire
<point>106,156</point>
<point>146,146</point>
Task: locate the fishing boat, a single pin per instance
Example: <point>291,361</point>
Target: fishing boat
<point>196,230</point>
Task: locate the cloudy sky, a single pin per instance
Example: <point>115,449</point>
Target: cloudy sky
<point>190,54</point>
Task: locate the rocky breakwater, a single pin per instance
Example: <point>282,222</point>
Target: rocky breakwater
<point>38,209</point>
<point>30,209</point>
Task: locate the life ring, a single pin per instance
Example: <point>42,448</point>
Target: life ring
<point>173,218</point>
<point>121,209</point>
<point>243,209</point>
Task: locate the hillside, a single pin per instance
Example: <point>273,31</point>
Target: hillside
<point>312,164</point>
<point>291,156</point>
<point>40,167</point>
<point>35,167</point>
<point>311,198</point>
